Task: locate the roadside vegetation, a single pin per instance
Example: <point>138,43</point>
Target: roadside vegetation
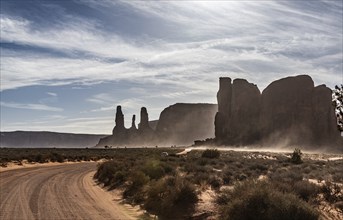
<point>247,185</point>
<point>45,155</point>
<point>244,185</point>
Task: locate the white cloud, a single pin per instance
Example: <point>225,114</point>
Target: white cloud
<point>39,107</point>
<point>101,98</point>
<point>52,94</point>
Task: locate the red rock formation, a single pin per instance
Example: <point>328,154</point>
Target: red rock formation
<point>286,112</point>
<point>238,112</point>
<point>290,111</point>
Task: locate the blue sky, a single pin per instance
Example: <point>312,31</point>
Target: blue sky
<point>65,65</point>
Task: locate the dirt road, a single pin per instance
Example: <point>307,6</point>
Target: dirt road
<point>57,192</point>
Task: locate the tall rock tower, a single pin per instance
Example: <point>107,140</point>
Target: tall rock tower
<point>119,127</point>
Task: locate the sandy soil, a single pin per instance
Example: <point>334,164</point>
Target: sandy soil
<point>66,191</point>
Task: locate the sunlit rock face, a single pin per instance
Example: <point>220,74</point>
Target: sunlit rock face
<point>182,123</point>
<point>290,111</point>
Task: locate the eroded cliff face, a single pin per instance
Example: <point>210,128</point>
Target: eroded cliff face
<point>182,123</point>
<point>121,136</point>
<point>179,124</point>
<point>119,119</point>
<point>290,111</point>
<point>238,112</point>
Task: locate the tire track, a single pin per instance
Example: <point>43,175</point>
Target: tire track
<point>56,192</point>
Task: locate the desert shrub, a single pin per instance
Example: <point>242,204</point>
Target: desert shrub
<point>211,153</point>
<point>215,182</point>
<point>168,169</point>
<point>260,200</point>
<point>296,156</point>
<point>153,169</point>
<point>170,198</point>
<point>105,172</point>
<point>291,181</point>
<point>118,179</point>
<point>305,190</point>
<point>56,157</point>
<point>224,197</point>
<point>40,158</point>
<point>134,192</point>
<point>227,176</point>
<point>287,176</point>
<point>202,161</point>
<point>331,192</point>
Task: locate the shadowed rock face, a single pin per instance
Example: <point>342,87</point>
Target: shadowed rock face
<point>238,111</point>
<point>179,124</point>
<point>290,111</point>
<point>133,123</point>
<point>287,110</point>
<point>183,123</point>
<point>121,136</point>
<point>144,124</point>
<point>119,127</point>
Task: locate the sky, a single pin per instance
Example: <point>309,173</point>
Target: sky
<point>66,64</point>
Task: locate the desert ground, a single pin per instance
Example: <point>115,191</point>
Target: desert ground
<point>65,191</point>
<point>171,183</point>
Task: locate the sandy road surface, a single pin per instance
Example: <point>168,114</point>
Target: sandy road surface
<point>57,192</point>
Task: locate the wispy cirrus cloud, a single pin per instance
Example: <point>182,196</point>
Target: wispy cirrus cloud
<point>52,94</point>
<point>162,52</point>
<point>39,107</point>
<point>242,38</point>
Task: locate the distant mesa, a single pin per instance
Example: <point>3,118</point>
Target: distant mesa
<point>290,111</point>
<point>179,124</point>
<point>46,139</point>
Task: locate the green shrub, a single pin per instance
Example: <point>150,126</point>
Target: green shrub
<point>260,200</point>
<point>211,153</point>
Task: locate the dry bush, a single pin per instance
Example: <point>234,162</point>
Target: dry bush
<point>171,198</point>
<point>261,200</point>
<point>211,153</point>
